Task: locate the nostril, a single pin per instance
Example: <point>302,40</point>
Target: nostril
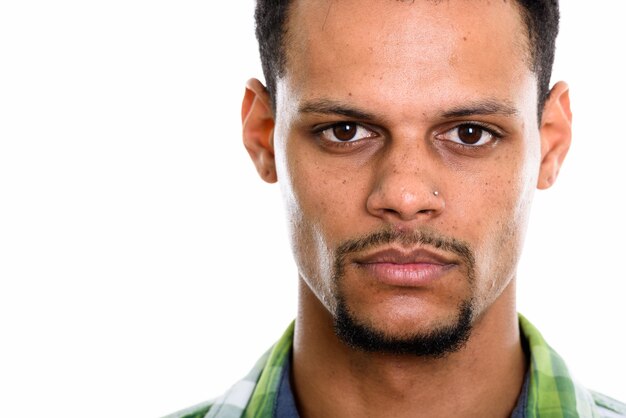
<point>404,205</point>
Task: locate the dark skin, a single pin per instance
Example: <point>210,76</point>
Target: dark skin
<point>374,115</point>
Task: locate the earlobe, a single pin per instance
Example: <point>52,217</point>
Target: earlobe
<point>556,134</point>
<point>258,129</point>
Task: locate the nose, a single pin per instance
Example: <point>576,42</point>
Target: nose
<point>406,186</point>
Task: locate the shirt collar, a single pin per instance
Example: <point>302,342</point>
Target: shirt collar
<point>552,391</point>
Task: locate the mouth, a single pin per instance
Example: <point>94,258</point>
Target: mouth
<point>418,267</point>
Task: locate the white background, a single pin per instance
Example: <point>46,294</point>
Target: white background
<point>144,266</point>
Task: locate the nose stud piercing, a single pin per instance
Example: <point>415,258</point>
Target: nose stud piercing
<point>436,193</point>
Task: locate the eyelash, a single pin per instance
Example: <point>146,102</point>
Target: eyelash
<point>496,134</point>
<point>318,131</point>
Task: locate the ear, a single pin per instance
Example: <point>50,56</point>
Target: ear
<point>556,134</point>
<point>258,129</point>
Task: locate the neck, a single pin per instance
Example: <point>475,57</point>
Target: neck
<point>483,378</point>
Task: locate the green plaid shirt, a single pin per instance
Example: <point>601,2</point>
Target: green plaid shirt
<point>552,393</point>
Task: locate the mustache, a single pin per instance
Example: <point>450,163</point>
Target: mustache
<point>417,237</point>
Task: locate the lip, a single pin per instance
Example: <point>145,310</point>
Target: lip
<point>417,267</point>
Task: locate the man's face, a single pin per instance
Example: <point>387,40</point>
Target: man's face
<point>407,147</point>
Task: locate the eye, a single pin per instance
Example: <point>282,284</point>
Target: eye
<point>346,132</point>
<point>469,134</point>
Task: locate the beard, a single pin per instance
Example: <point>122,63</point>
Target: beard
<point>436,342</point>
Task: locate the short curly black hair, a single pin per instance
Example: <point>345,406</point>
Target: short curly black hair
<point>541,18</point>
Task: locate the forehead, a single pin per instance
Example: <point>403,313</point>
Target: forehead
<point>403,51</point>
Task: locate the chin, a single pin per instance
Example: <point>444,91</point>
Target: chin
<point>427,335</point>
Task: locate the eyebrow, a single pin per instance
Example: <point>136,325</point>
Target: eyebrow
<point>486,107</point>
<point>331,107</point>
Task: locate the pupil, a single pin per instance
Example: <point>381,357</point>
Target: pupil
<point>470,134</point>
<point>345,131</point>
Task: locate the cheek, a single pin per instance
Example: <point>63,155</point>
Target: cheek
<point>504,203</point>
<point>317,204</point>
<point>321,192</point>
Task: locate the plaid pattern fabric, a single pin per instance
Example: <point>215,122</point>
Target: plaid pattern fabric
<point>552,392</point>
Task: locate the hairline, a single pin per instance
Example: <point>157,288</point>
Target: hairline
<point>529,55</point>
